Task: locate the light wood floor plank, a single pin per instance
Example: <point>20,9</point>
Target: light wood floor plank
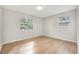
<point>40,45</point>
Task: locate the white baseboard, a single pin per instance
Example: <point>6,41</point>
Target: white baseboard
<point>37,36</point>
<point>60,38</point>
<point>21,39</point>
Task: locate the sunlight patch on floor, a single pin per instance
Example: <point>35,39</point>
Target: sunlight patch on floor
<point>27,48</point>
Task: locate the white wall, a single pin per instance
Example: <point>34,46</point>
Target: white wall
<point>11,25</point>
<point>78,29</point>
<point>0,28</point>
<point>0,24</point>
<point>52,28</point>
<point>48,26</point>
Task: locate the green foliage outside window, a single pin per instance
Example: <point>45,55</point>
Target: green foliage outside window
<point>26,24</point>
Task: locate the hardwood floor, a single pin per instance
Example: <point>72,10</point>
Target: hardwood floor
<point>40,45</point>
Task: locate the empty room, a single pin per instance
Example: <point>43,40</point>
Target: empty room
<point>39,29</point>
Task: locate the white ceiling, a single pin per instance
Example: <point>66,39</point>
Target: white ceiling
<point>47,11</point>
